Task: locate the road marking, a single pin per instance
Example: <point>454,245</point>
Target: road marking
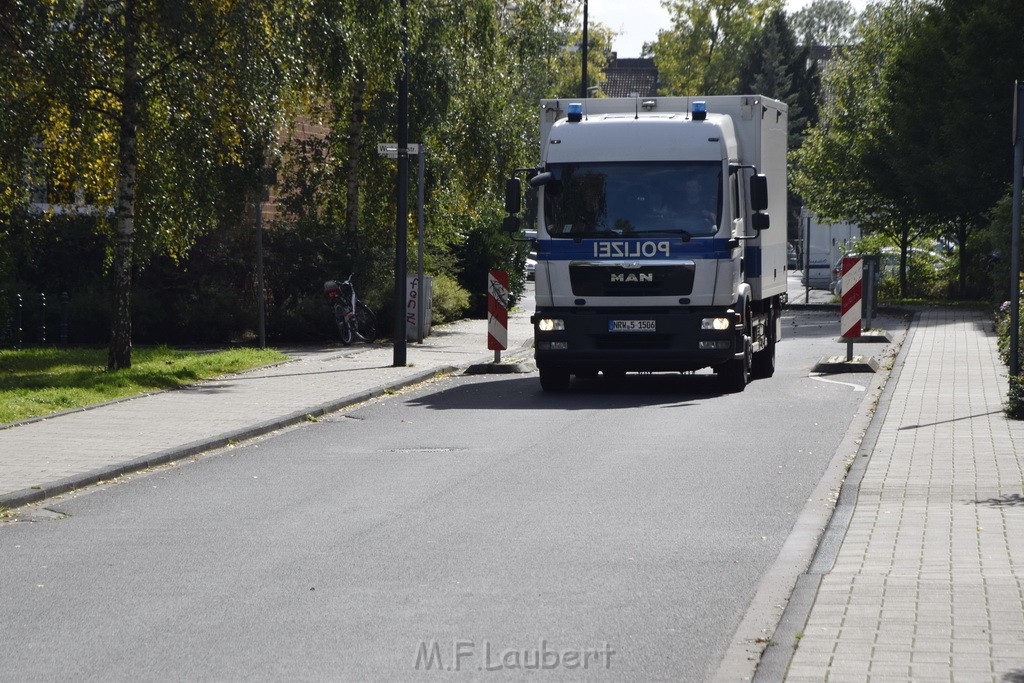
<point>856,387</point>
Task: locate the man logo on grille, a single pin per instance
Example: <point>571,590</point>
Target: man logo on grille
<point>632,277</point>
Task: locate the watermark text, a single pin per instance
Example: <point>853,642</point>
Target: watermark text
<point>465,654</point>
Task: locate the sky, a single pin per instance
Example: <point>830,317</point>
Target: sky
<point>638,21</point>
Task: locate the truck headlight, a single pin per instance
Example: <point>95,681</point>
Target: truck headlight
<point>720,324</point>
<point>550,325</point>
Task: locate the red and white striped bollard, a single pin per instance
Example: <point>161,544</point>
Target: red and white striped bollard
<point>497,312</point>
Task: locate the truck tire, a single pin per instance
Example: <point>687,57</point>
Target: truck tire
<point>553,379</point>
<point>735,374</point>
<point>764,360</point>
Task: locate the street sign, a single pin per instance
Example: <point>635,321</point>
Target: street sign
<point>390,149</point>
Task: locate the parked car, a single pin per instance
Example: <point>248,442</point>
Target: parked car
<point>531,265</point>
<point>792,260</point>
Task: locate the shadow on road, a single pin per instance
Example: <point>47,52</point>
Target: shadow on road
<point>657,390</point>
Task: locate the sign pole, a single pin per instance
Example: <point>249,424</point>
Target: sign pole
<point>421,306</point>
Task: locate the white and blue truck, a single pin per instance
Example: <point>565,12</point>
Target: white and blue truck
<point>654,252</point>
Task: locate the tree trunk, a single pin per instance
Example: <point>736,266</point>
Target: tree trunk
<point>904,263</point>
<point>120,352</point>
<point>961,243</point>
<point>355,134</point>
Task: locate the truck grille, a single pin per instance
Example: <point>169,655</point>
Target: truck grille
<point>631,279</point>
<point>637,342</point>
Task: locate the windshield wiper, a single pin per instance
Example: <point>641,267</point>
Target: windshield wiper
<point>685,234</point>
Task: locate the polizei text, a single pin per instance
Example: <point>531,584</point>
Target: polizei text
<point>630,249</point>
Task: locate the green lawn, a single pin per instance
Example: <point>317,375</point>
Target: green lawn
<point>41,381</point>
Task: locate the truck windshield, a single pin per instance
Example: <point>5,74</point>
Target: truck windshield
<point>633,198</point>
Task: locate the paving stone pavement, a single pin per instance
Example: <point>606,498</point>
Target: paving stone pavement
<point>928,584</point>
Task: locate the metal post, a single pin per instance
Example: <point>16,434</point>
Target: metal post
<point>1018,162</point>
<point>65,309</point>
<point>18,339</point>
<point>870,285</point>
<point>807,260</point>
<point>261,294</point>
<point>402,192</point>
<point>420,305</point>
<point>583,85</point>
<point>42,318</point>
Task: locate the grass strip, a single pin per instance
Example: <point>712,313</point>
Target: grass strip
<point>36,382</point>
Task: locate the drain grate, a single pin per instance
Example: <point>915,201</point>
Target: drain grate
<point>439,449</point>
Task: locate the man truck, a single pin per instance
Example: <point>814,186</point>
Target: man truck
<point>654,252</point>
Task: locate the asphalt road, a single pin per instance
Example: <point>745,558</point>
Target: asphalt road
<point>474,524</point>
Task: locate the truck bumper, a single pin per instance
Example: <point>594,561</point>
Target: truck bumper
<point>652,340</point>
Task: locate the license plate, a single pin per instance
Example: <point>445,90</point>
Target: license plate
<point>631,326</point>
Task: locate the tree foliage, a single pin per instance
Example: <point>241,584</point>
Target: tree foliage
<point>912,140</point>
<point>702,52</point>
<point>847,168</point>
<point>825,22</point>
<point>153,113</point>
<point>775,66</point>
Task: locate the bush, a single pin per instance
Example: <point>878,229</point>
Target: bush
<point>1002,324</point>
<point>1014,407</point>
<point>304,317</point>
<point>486,249</point>
<point>450,300</point>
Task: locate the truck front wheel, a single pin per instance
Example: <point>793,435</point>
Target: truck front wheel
<point>553,378</point>
<point>735,374</point>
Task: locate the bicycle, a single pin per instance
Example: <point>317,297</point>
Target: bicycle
<point>352,316</point>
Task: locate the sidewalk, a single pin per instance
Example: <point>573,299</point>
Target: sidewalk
<point>53,456</point>
<point>928,583</point>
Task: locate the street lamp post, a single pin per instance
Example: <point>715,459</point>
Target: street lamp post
<point>402,192</point>
<point>583,85</point>
<point>1018,162</point>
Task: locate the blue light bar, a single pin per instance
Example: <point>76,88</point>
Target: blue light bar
<point>699,109</point>
<point>575,111</point>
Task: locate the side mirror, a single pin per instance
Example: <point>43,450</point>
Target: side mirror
<point>758,192</point>
<point>760,221</point>
<point>513,196</point>
<point>541,179</point>
<point>510,224</point>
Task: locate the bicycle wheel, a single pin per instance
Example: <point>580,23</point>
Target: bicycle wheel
<point>344,325</point>
<point>366,322</point>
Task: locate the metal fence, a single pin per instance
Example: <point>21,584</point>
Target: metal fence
<point>28,319</point>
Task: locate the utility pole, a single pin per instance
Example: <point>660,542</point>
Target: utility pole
<point>583,85</point>
<point>402,190</point>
